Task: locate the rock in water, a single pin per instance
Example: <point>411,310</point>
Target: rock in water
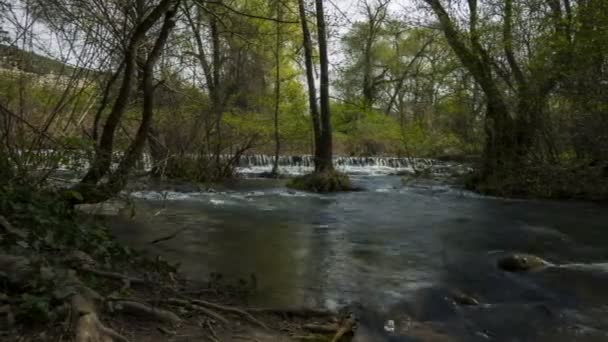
<point>521,263</point>
<point>462,298</point>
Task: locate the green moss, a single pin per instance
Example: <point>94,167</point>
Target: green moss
<point>322,182</point>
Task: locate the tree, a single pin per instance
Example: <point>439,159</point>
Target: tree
<point>277,89</point>
<point>310,81</point>
<point>516,95</point>
<point>90,188</point>
<point>324,159</point>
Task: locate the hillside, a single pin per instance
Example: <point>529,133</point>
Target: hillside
<point>13,57</point>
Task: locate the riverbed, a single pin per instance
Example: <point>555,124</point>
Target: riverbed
<point>394,249</point>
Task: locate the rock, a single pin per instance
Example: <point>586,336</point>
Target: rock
<point>462,298</point>
<point>521,263</point>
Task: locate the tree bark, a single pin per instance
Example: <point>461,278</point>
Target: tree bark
<point>277,92</point>
<point>324,162</point>
<point>310,80</point>
<point>217,93</point>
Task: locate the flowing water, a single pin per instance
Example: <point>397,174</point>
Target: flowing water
<point>394,249</point>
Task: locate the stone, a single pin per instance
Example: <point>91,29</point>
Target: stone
<point>462,298</point>
<point>521,263</point>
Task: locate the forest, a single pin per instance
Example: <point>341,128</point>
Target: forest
<point>99,95</point>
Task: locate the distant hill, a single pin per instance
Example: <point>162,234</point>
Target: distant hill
<point>12,57</point>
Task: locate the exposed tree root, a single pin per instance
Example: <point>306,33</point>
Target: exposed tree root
<point>112,275</point>
<point>243,337</point>
<point>86,324</point>
<point>347,327</point>
<point>231,310</point>
<point>137,308</point>
<point>322,328</point>
<point>203,310</point>
<point>294,312</point>
<point>213,334</point>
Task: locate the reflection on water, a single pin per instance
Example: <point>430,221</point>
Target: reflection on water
<point>381,247</point>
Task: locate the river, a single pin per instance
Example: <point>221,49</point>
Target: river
<point>394,249</point>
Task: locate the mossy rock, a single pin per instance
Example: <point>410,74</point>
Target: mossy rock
<point>322,182</point>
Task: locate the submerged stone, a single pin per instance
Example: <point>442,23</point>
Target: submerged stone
<point>462,298</point>
<point>521,263</point>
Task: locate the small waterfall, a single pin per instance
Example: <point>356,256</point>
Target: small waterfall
<point>251,164</point>
<point>259,163</point>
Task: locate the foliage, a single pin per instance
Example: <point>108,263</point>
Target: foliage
<point>52,224</point>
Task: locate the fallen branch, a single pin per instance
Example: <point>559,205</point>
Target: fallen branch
<point>230,309</point>
<point>137,308</point>
<point>168,237</point>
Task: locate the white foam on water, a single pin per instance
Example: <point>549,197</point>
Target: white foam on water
<point>216,201</point>
<point>162,195</point>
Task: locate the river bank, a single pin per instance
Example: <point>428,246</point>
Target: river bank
<point>405,252</point>
<point>63,277</point>
<point>423,254</point>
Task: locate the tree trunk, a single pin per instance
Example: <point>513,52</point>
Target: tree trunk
<point>277,93</point>
<point>93,192</point>
<point>158,153</point>
<point>310,78</point>
<point>103,156</point>
<point>217,94</point>
<point>324,162</point>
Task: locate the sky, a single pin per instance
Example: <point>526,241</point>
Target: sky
<point>340,16</point>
